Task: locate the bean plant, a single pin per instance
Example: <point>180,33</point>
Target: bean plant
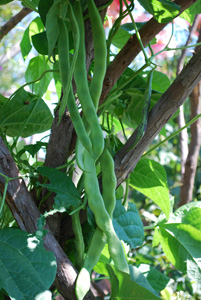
<point>90,200</point>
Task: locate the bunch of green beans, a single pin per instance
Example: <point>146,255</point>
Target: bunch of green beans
<point>90,148</point>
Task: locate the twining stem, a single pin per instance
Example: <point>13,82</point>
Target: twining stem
<point>173,134</point>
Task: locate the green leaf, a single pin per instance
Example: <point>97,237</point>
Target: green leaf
<point>104,259</point>
<point>138,277</point>
<point>160,82</point>
<point>52,27</point>
<point>57,79</point>
<point>27,269</point>
<point>157,279</point>
<point>67,196</point>
<point>189,13</point>
<point>132,115</point>
<point>124,288</point>
<point>2,100</point>
<point>35,27</point>
<point>25,44</point>
<point>32,149</point>
<point>189,214</point>
<point>24,115</point>
<point>35,69</point>
<point>162,10</point>
<point>43,8</point>
<point>2,2</point>
<point>182,246</point>
<point>120,38</point>
<point>33,4</point>
<point>39,41</point>
<point>128,225</point>
<point>149,178</point>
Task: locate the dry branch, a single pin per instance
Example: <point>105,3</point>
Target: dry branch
<point>168,104</point>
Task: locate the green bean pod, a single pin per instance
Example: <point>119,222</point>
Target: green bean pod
<point>145,110</point>
<point>100,53</point>
<point>108,181</point>
<point>83,280</point>
<point>64,40</point>
<point>68,97</point>
<point>102,217</point>
<point>103,210</point>
<point>80,77</point>
<point>79,242</point>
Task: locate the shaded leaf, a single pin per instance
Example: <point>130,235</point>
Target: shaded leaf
<point>40,43</point>
<point>43,8</point>
<point>67,196</point>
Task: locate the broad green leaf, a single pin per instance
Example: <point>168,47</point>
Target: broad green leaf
<point>189,13</point>
<point>162,10</point>
<point>27,269</point>
<point>37,66</point>
<point>149,178</point>
<point>123,288</point>
<point>24,115</point>
<point>128,225</point>
<point>182,246</point>
<point>39,41</point>
<point>120,38</point>
<point>157,279</point>
<point>2,2</point>
<point>67,196</point>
